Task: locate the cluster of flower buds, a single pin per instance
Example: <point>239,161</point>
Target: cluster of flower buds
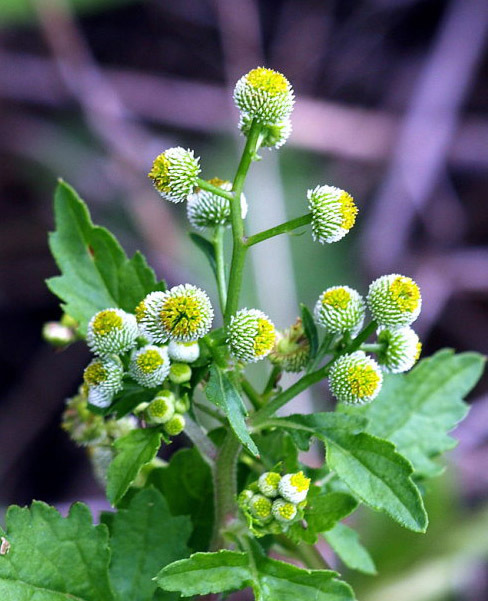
<point>167,410</point>
<point>181,316</point>
<point>394,302</point>
<point>274,502</point>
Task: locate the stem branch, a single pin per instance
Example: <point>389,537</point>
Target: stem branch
<point>288,226</point>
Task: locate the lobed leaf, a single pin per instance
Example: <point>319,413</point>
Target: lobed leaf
<point>133,451</point>
<point>95,271</point>
<point>52,558</point>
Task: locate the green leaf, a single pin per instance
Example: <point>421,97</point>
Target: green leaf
<point>207,248</point>
<point>325,510</point>
<point>129,398</point>
<point>277,447</point>
<point>186,484</point>
<point>271,580</point>
<point>132,452</point>
<point>417,410</point>
<point>143,537</point>
<point>52,558</point>
<point>369,466</point>
<point>345,542</point>
<point>310,330</point>
<point>221,392</point>
<point>95,271</point>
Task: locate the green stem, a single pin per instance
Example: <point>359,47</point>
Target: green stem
<point>218,243</point>
<point>239,247</point>
<point>309,555</point>
<point>251,393</point>
<point>372,348</point>
<point>202,183</point>
<point>225,488</point>
<point>211,412</point>
<point>273,376</point>
<point>288,226</point>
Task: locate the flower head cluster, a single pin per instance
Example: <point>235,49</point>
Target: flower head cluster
<point>165,409</point>
<point>333,213</point>
<point>174,173</point>
<point>112,331</point>
<point>401,349</point>
<point>251,335</point>
<point>291,351</point>
<point>182,314</point>
<point>355,378</point>
<point>274,501</point>
<point>340,309</point>
<point>394,300</point>
<point>206,209</point>
<point>149,365</point>
<point>264,95</point>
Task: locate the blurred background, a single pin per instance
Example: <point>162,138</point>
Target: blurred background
<point>392,105</point>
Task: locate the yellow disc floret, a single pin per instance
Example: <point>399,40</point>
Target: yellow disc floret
<point>338,298</point>
<point>260,507</point>
<point>355,378</point>
<point>140,311</point>
<point>405,293</point>
<point>149,361</point>
<point>106,321</point>
<point>348,210</point>
<point>270,81</point>
<point>363,380</point>
<point>265,338</point>
<point>300,481</point>
<point>185,313</point>
<point>286,511</point>
<point>95,374</point>
<point>160,173</point>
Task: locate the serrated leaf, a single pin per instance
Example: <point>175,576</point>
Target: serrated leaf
<point>132,452</point>
<point>271,580</point>
<point>207,248</point>
<point>310,330</point>
<point>369,466</point>
<point>52,558</point>
<point>417,410</point>
<point>345,542</point>
<point>144,537</point>
<point>95,271</point>
<point>221,392</point>
<point>186,484</point>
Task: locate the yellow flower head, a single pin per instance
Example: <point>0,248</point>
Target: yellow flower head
<point>355,378</point>
<point>174,173</point>
<point>394,300</point>
<point>333,213</point>
<point>251,335</point>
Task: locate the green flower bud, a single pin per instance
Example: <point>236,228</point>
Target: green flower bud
<point>250,335</point>
<point>291,351</point>
<point>174,174</point>
<point>69,322</point>
<point>206,209</point>
<point>260,507</point>
<point>180,373</point>
<point>161,409</point>
<point>175,426</point>
<point>355,379</point>
<point>182,404</point>
<point>149,365</point>
<point>284,511</point>
<point>333,213</point>
<point>183,352</point>
<point>273,135</point>
<point>264,95</point>
<point>268,483</point>
<point>394,300</point>
<point>401,349</point>
<point>56,334</point>
<point>245,497</point>
<point>103,378</point>
<point>340,309</point>
<point>112,331</point>
<point>294,487</point>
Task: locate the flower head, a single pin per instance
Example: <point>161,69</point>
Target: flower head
<point>162,408</point>
<point>149,365</point>
<point>250,335</point>
<point>175,425</point>
<point>284,511</point>
<point>111,331</point>
<point>394,300</point>
<point>273,135</point>
<point>268,484</point>
<point>174,173</point>
<point>333,213</point>
<point>355,379</point>
<point>148,318</point>
<point>260,507</point>
<point>185,313</point>
<point>206,209</point>
<point>401,349</point>
<point>294,487</point>
<point>183,352</point>
<point>291,351</point>
<point>340,309</point>
<point>264,95</point>
<point>103,378</point>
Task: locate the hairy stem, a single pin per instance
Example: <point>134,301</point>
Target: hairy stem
<point>218,243</point>
<point>251,393</point>
<point>288,226</point>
